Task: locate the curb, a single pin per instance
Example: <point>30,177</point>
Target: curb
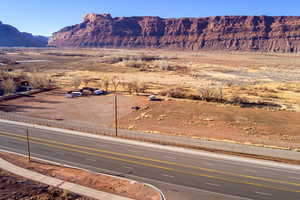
<point>78,189</point>
<point>247,149</point>
<point>165,147</point>
<point>162,197</point>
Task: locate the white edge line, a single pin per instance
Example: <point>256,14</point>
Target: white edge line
<point>264,193</point>
<point>157,146</point>
<point>69,166</point>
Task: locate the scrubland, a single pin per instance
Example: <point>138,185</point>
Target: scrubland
<point>241,96</point>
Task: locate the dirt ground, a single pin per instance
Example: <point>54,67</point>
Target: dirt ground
<point>91,110</point>
<point>104,183</point>
<point>15,187</point>
<point>220,122</point>
<point>259,78</point>
<point>185,118</point>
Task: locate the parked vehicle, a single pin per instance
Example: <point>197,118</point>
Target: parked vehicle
<point>90,89</point>
<point>152,98</point>
<point>77,94</point>
<point>23,89</point>
<point>73,94</point>
<point>69,95</point>
<point>99,92</point>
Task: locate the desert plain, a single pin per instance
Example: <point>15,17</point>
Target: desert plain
<point>244,97</point>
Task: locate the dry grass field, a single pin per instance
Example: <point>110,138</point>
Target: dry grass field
<point>241,96</point>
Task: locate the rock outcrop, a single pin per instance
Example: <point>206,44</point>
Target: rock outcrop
<point>251,33</point>
<point>12,37</point>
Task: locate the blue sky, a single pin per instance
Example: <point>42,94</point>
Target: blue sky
<point>44,17</point>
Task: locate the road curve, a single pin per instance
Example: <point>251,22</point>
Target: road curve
<point>164,168</point>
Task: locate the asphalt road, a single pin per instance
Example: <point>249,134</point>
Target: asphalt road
<point>191,176</point>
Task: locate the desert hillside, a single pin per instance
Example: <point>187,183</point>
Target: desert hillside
<point>12,37</point>
<point>250,33</point>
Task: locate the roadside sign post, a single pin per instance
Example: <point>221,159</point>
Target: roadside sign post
<point>28,144</point>
<point>116,114</point>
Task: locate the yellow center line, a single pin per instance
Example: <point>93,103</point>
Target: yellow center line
<point>52,144</point>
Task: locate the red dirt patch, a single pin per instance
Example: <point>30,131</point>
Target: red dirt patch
<point>15,187</point>
<point>53,105</point>
<point>175,117</point>
<point>101,182</point>
<point>224,122</point>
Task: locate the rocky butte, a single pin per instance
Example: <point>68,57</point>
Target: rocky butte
<point>250,33</point>
<point>12,37</point>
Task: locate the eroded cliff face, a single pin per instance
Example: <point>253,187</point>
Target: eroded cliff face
<point>263,33</point>
<point>12,37</point>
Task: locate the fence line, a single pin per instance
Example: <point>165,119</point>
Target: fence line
<point>154,138</point>
<point>129,134</point>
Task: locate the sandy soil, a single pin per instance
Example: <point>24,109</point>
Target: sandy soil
<point>221,122</point>
<point>259,77</point>
<point>270,77</point>
<point>91,110</point>
<point>173,116</point>
<point>100,182</point>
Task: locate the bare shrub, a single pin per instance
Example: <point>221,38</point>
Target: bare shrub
<point>125,57</point>
<point>39,81</point>
<point>239,100</point>
<point>196,75</point>
<point>143,86</point>
<point>166,66</point>
<point>135,86</point>
<point>124,85</point>
<point>230,83</point>
<point>133,63</point>
<point>145,57</point>
<point>4,75</point>
<point>177,92</point>
<point>7,61</point>
<point>163,65</point>
<point>76,82</point>
<point>210,93</point>
<point>113,59</point>
<point>86,81</point>
<point>8,86</point>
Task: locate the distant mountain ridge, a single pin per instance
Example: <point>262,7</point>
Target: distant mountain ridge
<point>250,33</point>
<point>12,37</point>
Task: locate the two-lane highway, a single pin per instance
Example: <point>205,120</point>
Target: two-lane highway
<point>244,180</point>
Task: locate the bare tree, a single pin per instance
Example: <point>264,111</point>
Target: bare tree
<point>9,86</point>
<point>4,75</point>
<point>86,81</point>
<point>105,83</point>
<point>129,87</point>
<point>76,82</point>
<point>143,86</point>
<point>115,81</point>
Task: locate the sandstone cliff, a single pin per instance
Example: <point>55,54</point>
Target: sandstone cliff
<point>263,33</point>
<point>12,37</point>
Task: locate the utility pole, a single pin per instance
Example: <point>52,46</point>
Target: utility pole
<point>28,144</point>
<point>116,114</point>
